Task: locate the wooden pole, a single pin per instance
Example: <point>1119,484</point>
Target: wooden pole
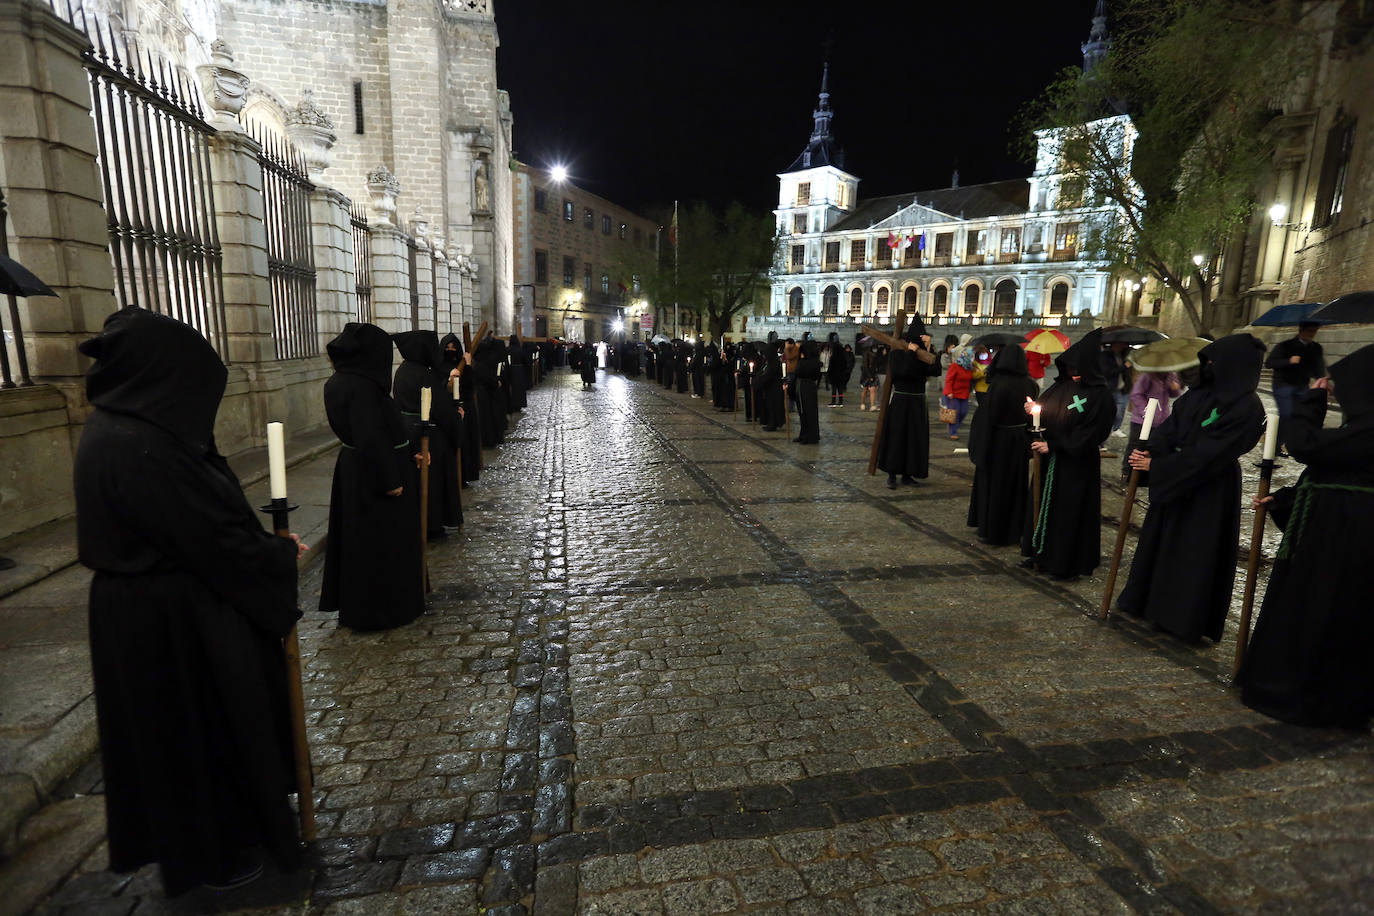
<point>1247,603</point>
<point>1126,506</point>
<point>424,507</point>
<point>467,336</point>
<point>787,411</point>
<point>1035,472</point>
<point>887,389</point>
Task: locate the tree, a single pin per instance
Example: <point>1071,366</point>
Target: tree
<point>1200,80</point>
<point>722,260</point>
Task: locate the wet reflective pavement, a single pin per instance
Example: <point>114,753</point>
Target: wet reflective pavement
<point>674,664</point>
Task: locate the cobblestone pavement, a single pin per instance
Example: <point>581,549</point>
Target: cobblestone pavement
<point>676,665</point>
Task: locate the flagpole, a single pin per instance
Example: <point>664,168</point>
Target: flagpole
<point>677,327</point>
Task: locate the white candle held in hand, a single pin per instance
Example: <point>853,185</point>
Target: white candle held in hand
<point>276,459</point>
<point>425,396</point>
<point>1150,407</point>
<point>1271,436</point>
<point>1035,417</point>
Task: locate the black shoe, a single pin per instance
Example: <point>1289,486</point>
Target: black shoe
<point>892,481</point>
<point>910,481</point>
<point>797,440</point>
<point>237,876</point>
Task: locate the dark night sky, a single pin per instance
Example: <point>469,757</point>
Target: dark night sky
<point>648,101</point>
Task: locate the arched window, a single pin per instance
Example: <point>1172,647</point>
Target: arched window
<point>911,298</point>
<point>971,293</point>
<point>881,301</point>
<point>794,302</point>
<point>830,301</point>
<point>939,300</point>
<point>856,301</point>
<point>1059,299</point>
<point>1004,298</point>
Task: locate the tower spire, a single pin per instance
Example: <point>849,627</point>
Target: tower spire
<point>1099,42</point>
<point>823,114</point>
<point>821,149</point>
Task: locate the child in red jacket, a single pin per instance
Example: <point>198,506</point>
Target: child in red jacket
<point>958,383</point>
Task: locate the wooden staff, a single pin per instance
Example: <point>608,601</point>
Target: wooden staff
<point>787,411</point>
<point>1247,603</point>
<point>895,343</point>
<point>459,445</point>
<point>1126,507</point>
<point>424,489</point>
<point>1035,470</point>
<point>280,509</point>
<point>467,336</point>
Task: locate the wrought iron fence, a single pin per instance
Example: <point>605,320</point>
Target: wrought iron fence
<point>154,157</point>
<point>286,191</point>
<point>362,265</point>
<point>413,251</point>
<point>11,338</point>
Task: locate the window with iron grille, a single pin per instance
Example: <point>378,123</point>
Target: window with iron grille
<point>541,267</point>
<point>911,297</point>
<point>588,218</point>
<point>803,194</point>
<point>569,272</point>
<point>541,200</point>
<point>881,300</point>
<point>362,265</point>
<point>1011,240</point>
<point>1340,142</point>
<point>798,257</point>
<point>882,255</point>
<point>798,223</point>
<point>972,292</point>
<point>832,255</point>
<point>944,248</point>
<point>357,106</point>
<point>856,301</point>
<point>830,301</point>
<point>856,254</point>
<point>939,300</point>
<point>286,190</point>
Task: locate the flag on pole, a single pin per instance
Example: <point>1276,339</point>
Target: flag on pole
<point>672,230</point>
<point>893,240</point>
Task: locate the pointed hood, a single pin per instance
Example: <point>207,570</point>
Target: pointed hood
<point>1231,367</point>
<point>363,350</point>
<point>1083,359</point>
<point>159,370</point>
<point>420,347</point>
<point>915,329</point>
<point>1354,378</point>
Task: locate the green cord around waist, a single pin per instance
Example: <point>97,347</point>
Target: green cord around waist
<point>1302,505</point>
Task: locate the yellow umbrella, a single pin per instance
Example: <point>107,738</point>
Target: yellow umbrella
<point>1047,342</point>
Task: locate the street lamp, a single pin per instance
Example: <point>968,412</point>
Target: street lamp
<point>1278,212</point>
<point>559,174</point>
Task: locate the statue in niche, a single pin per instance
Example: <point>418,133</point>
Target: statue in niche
<point>481,188</point>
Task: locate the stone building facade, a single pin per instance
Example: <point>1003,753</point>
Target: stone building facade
<point>574,257</point>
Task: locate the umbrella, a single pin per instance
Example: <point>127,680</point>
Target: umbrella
<point>16,280</point>
<point>1293,313</point>
<point>1047,342</point>
<point>659,339</point>
<point>997,339</point>
<point>1059,335</point>
<point>1173,354</point>
<point>1131,335</point>
<point>1352,308</point>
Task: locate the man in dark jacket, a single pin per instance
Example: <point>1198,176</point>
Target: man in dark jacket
<point>1296,362</point>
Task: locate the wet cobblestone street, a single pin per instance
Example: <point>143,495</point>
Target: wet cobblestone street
<point>676,665</point>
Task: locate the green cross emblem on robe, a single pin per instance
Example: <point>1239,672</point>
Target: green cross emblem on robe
<point>1079,403</point>
<point>1216,414</point>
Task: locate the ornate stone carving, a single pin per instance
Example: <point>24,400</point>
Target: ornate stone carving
<point>226,88</point>
<point>383,187</point>
<point>481,187</point>
<point>312,131</point>
<point>419,227</point>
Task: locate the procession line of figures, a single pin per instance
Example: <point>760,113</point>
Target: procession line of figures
<point>191,599</point>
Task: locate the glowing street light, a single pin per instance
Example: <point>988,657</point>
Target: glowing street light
<point>559,173</point>
<point>618,326</point>
<point>1277,213</point>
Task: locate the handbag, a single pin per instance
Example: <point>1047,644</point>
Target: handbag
<point>948,414</point>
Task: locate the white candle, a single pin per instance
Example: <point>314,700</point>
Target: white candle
<point>1150,407</point>
<point>276,459</point>
<point>425,396</point>
<point>1035,417</point>
<point>456,393</point>
<point>1271,436</point>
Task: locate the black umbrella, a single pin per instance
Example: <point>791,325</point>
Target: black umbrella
<point>16,280</point>
<point>1352,308</point>
<point>998,339</point>
<point>1131,335</point>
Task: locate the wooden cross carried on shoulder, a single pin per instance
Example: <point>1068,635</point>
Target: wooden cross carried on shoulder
<point>896,343</point>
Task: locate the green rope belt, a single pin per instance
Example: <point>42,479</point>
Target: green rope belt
<point>1302,505</point>
<point>1042,523</point>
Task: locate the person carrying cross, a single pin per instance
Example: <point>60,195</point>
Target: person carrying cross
<point>1064,539</point>
<point>1185,560</point>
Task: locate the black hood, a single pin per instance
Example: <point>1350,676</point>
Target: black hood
<point>363,350</point>
<point>420,347</point>
<point>810,349</point>
<point>1083,359</point>
<point>1010,361</point>
<point>833,339</point>
<point>160,370</point>
<point>1231,367</point>
<point>452,358</point>
<point>915,329</point>
<point>1354,378</point>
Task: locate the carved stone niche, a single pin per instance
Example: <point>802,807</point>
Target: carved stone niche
<point>226,88</point>
<point>481,186</point>
<point>383,186</point>
<point>312,131</point>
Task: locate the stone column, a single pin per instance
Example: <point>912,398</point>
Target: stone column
<point>331,231</point>
<point>240,215</point>
<point>53,189</point>
<point>442,304</point>
<point>424,277</point>
<point>390,279</point>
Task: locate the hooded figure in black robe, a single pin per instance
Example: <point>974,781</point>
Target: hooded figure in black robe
<point>768,394</point>
<point>472,434</point>
<point>746,357</point>
<point>840,370</point>
<point>808,378</point>
<point>1308,661</point>
<point>681,361</point>
<point>486,371</point>
<point>698,369</point>
<point>999,450</point>
<point>372,559</point>
<point>422,367</point>
<point>1185,561</point>
<point>904,448</point>
<point>1065,540</point>
<point>188,607</point>
<point>651,362</point>
<point>588,370</point>
<point>517,375</point>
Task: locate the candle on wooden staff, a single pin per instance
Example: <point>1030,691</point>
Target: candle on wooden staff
<point>1127,505</point>
<point>1148,424</point>
<point>276,459</point>
<point>426,401</point>
<point>1247,601</point>
<point>1271,436</point>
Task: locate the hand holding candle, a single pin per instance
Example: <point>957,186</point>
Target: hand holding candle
<point>276,459</point>
<point>1035,417</point>
<point>425,400</point>
<point>1150,407</point>
<point>1271,436</point>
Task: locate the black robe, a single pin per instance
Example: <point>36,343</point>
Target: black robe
<point>841,366</point>
<point>1066,539</point>
<point>517,376</point>
<point>491,399</point>
<point>1308,661</point>
<point>1185,560</point>
<point>651,363</point>
<point>808,376</point>
<point>768,394</point>
<point>372,564</point>
<point>682,368</point>
<point>744,371</point>
<point>999,450</point>
<point>422,360</point>
<point>472,421</point>
<point>904,447</point>
<point>588,370</point>
<point>188,606</point>
<point>698,368</point>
